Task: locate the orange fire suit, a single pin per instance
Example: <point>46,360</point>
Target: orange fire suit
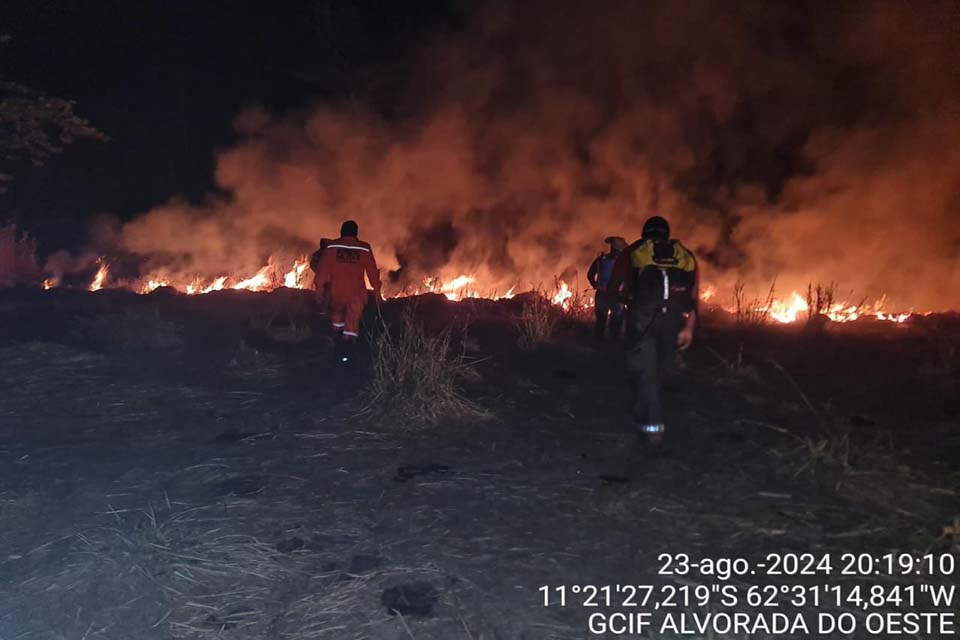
<point>342,267</point>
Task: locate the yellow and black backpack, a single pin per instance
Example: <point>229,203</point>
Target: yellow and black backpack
<point>664,275</point>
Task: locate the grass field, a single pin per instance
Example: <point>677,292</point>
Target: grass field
<point>175,467</point>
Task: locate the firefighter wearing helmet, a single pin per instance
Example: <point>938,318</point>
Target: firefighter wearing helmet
<point>607,304</point>
<point>340,271</point>
<point>659,278</point>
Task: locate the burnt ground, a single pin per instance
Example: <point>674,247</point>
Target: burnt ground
<point>203,467</point>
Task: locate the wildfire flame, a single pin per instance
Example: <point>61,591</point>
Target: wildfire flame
<point>455,289</point>
<point>196,287</point>
<point>266,278</point>
<point>48,284</point>
<point>790,309</point>
<point>563,295</point>
<point>795,307</point>
<point>153,284</point>
<point>258,282</point>
<point>296,277</point>
<point>101,276</point>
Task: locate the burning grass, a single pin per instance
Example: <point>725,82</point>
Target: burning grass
<point>819,305</point>
<point>820,300</point>
<point>417,376</point>
<point>752,312</point>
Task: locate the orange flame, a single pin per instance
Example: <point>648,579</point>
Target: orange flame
<point>296,277</point>
<point>787,310</point>
<point>196,287</point>
<point>456,288</point>
<point>152,284</point>
<point>101,276</point>
<point>258,282</point>
<point>795,308</point>
<point>563,295</point>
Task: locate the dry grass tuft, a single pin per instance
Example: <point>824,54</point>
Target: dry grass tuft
<point>752,312</point>
<point>579,306</point>
<point>736,370</point>
<point>537,321</point>
<point>189,571</point>
<point>417,376</point>
<point>331,608</point>
<point>863,466</point>
<point>820,299</point>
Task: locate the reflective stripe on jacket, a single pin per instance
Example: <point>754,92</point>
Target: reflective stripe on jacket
<point>343,264</point>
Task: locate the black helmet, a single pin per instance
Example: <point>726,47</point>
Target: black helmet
<point>657,228</point>
<point>349,229</point>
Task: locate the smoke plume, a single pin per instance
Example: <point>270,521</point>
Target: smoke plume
<point>798,141</point>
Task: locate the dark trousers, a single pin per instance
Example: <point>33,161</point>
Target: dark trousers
<point>606,305</point>
<point>651,354</point>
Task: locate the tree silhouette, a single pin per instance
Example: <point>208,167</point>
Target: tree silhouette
<point>34,126</point>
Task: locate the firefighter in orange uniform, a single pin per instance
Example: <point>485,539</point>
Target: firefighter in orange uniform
<point>340,272</point>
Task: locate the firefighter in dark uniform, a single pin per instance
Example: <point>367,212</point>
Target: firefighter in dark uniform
<point>322,289</point>
<point>658,276</point>
<point>607,303</point>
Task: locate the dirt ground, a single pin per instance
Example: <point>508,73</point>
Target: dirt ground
<point>176,467</point>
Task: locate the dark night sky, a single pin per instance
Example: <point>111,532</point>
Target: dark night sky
<point>165,79</point>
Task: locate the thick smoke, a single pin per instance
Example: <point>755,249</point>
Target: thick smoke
<point>797,141</point>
